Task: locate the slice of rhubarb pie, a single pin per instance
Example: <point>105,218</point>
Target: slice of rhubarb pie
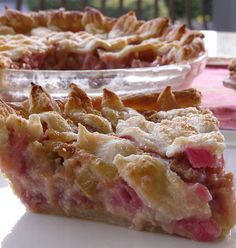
<point>158,166</point>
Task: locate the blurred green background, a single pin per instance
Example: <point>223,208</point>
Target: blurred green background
<point>147,7</point>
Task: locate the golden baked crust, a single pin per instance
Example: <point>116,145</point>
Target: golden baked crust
<point>161,170</point>
<point>59,39</point>
<point>158,100</point>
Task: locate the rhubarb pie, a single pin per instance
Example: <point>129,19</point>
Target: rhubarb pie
<point>158,166</point>
<point>74,40</point>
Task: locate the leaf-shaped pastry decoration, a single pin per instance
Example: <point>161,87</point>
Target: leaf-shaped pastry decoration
<point>93,21</point>
<point>153,28</point>
<point>79,109</point>
<point>113,108</point>
<point>65,20</point>
<point>78,99</point>
<point>41,101</point>
<point>189,36</point>
<point>166,100</point>
<point>41,18</point>
<point>175,33</point>
<point>5,109</point>
<point>111,100</point>
<point>20,22</point>
<point>125,25</point>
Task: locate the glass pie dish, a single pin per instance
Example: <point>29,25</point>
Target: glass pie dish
<point>14,84</point>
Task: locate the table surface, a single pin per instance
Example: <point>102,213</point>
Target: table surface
<point>221,100</point>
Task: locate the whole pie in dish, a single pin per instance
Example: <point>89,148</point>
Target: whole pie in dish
<point>74,40</point>
<point>158,166</point>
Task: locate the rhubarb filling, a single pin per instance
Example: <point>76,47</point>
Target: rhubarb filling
<point>51,59</point>
<point>116,196</point>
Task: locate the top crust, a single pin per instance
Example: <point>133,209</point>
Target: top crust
<point>116,42</point>
<point>143,102</point>
<point>165,100</point>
